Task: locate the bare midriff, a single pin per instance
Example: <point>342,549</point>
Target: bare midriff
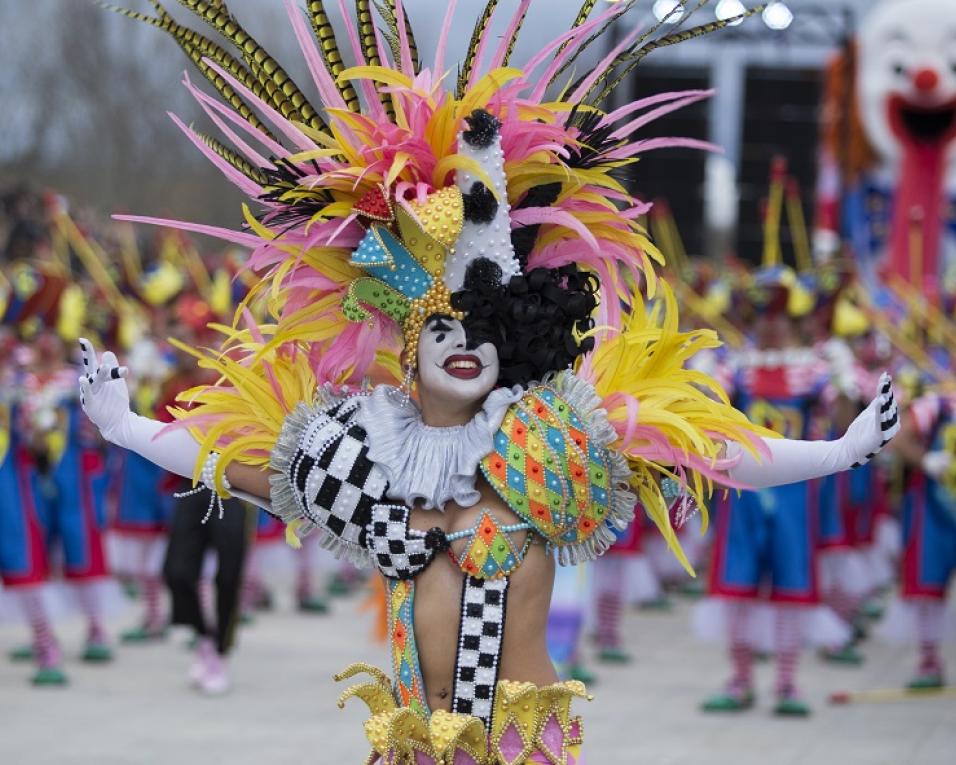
<point>524,653</point>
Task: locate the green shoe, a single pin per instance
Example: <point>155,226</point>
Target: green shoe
<point>130,589</point>
<point>693,589</point>
<point>313,606</point>
<point>659,604</point>
<point>21,653</point>
<point>339,587</point>
<point>873,610</point>
<point>143,635</point>
<point>582,674</point>
<point>97,653</point>
<point>614,656</point>
<point>791,706</point>
<point>847,656</point>
<point>729,701</point>
<point>48,676</point>
<point>926,682</point>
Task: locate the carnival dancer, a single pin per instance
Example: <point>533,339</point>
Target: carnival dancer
<point>763,571</point>
<point>920,617</point>
<point>190,543</point>
<point>23,559</point>
<point>143,499</point>
<point>848,502</point>
<point>72,481</point>
<point>472,246</point>
<point>610,581</point>
<point>309,566</point>
<point>267,544</point>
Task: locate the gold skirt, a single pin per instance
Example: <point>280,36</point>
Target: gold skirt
<point>529,725</point>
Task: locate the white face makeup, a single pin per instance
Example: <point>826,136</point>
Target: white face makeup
<point>450,371</point>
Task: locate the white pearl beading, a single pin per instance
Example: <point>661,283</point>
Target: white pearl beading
<point>207,481</point>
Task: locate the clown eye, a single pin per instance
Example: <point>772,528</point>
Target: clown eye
<point>899,69</point>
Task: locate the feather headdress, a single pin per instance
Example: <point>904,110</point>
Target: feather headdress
<point>372,202</point>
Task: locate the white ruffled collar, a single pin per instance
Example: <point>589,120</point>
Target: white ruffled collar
<point>426,464</point>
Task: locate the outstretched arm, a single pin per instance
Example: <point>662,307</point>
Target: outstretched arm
<point>792,461</point>
<point>105,399</point>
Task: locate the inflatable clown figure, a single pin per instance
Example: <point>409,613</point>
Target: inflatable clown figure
<point>889,185</point>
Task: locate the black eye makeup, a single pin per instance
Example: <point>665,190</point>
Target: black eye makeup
<point>439,324</point>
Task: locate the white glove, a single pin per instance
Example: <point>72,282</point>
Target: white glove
<point>936,464</point>
<point>105,399</point>
<point>792,461</point>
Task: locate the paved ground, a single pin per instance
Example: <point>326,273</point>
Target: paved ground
<point>282,710</point>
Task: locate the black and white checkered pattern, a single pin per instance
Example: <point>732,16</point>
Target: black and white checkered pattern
<point>335,480</point>
<point>889,416</point>
<point>398,551</point>
<point>479,646</point>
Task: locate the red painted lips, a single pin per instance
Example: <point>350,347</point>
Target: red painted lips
<point>463,366</point>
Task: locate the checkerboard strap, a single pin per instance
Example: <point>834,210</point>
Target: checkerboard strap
<point>480,636</point>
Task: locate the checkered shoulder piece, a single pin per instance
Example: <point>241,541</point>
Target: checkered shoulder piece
<point>324,478</point>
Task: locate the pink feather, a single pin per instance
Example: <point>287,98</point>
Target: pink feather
<point>642,103</point>
<point>652,144</point>
<point>498,59</point>
<point>588,81</point>
<point>691,97</point>
<point>328,92</point>
<point>273,146</point>
<point>527,216</point>
<point>281,123</point>
<point>406,52</point>
<point>248,187</point>
<point>572,35</point>
<point>225,234</point>
<point>251,154</point>
<point>373,106</point>
<point>476,70</point>
<point>443,38</point>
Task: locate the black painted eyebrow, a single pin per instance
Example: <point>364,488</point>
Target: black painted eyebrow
<point>437,322</point>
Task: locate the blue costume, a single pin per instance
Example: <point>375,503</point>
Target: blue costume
<point>767,537</point>
<point>23,560</point>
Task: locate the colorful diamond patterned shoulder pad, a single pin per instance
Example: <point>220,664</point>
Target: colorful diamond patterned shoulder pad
<point>546,468</point>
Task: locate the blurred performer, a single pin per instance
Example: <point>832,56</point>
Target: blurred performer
<point>143,502</point>
<point>308,565</point>
<point>192,536</point>
<point>265,549</point>
<point>888,183</point>
<point>23,558</point>
<point>72,478</point>
<point>764,549</point>
<point>609,575</point>
<point>928,446</point>
<point>850,502</point>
